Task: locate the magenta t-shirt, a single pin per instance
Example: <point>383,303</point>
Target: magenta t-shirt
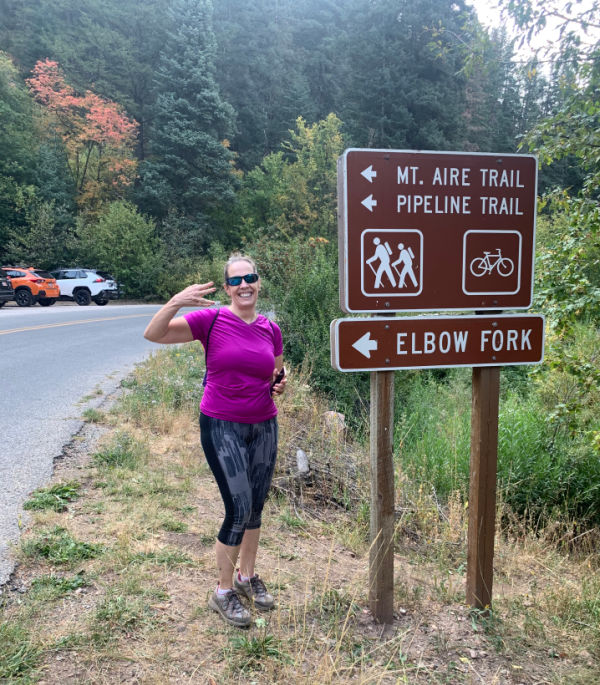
<point>241,359</point>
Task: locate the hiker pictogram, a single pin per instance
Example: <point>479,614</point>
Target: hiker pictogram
<point>406,259</point>
<point>382,254</point>
<point>391,262</point>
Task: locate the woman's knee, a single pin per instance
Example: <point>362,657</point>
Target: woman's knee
<point>254,520</point>
<point>237,518</point>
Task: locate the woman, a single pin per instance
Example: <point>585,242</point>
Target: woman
<point>238,423</point>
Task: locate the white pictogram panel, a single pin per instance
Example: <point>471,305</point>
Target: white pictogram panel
<point>391,262</point>
<point>491,262</point>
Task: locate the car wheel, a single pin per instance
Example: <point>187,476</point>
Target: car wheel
<point>47,301</point>
<point>24,298</point>
<point>2,304</point>
<point>82,297</point>
<point>100,301</point>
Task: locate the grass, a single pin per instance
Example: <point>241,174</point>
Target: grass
<point>51,587</point>
<point>58,546</point>
<point>56,497</point>
<point>169,558</point>
<point>124,611</point>
<point>174,526</point>
<point>137,603</point>
<point>255,652</point>
<point>123,451</point>
<point>291,520</point>
<point>545,472</point>
<point>168,383</point>
<point>19,655</point>
<point>94,416</point>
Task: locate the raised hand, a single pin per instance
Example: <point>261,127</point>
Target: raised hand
<point>194,295</point>
<point>164,329</point>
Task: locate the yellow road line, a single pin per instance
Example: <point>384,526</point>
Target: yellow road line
<point>72,323</point>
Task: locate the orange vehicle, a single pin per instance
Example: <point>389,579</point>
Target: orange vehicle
<point>32,285</point>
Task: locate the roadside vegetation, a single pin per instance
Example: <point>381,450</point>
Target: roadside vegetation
<point>116,564</point>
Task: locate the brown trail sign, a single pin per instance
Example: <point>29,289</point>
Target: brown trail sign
<point>435,231</point>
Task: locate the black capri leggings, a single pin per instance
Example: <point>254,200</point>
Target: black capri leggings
<point>242,459</point>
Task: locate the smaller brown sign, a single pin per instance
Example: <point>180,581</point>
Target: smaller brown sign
<point>388,343</point>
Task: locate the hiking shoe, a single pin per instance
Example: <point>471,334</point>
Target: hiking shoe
<point>231,609</point>
<point>255,590</point>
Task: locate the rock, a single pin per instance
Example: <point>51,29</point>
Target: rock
<point>335,422</point>
<point>302,462</point>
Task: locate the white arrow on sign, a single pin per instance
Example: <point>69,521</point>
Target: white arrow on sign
<point>369,203</point>
<point>369,174</point>
<point>364,345</point>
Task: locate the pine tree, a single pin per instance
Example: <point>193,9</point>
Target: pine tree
<point>189,168</point>
<point>17,149</point>
<point>406,74</point>
<point>261,72</point>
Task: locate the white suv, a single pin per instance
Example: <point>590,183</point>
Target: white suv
<point>85,285</point>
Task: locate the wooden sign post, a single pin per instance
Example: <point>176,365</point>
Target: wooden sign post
<point>482,488</point>
<point>381,554</point>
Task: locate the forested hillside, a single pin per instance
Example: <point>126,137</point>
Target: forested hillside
<point>151,138</point>
<point>209,94</point>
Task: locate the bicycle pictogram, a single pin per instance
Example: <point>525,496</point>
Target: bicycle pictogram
<point>480,266</point>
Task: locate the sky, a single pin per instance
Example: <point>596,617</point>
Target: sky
<point>487,12</point>
<point>489,15</point>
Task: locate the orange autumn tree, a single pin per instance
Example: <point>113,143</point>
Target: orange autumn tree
<point>98,136</point>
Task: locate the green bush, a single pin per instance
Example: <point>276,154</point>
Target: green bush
<point>55,497</point>
<point>543,469</point>
<point>59,547</point>
<point>184,271</point>
<point>569,382</point>
<point>51,587</point>
<point>124,242</point>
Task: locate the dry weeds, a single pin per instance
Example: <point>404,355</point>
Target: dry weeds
<point>141,615</point>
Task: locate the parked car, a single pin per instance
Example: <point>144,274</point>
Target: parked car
<point>84,285</point>
<point>6,290</point>
<point>110,278</point>
<point>32,285</point>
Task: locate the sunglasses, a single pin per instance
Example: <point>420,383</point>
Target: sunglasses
<point>236,280</point>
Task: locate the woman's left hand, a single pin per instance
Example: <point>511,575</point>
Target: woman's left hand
<point>279,387</point>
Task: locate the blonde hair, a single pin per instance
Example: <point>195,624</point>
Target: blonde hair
<point>237,257</point>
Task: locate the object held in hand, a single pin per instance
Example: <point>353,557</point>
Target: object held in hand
<point>278,378</point>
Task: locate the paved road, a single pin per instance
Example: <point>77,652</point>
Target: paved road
<point>51,360</point>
